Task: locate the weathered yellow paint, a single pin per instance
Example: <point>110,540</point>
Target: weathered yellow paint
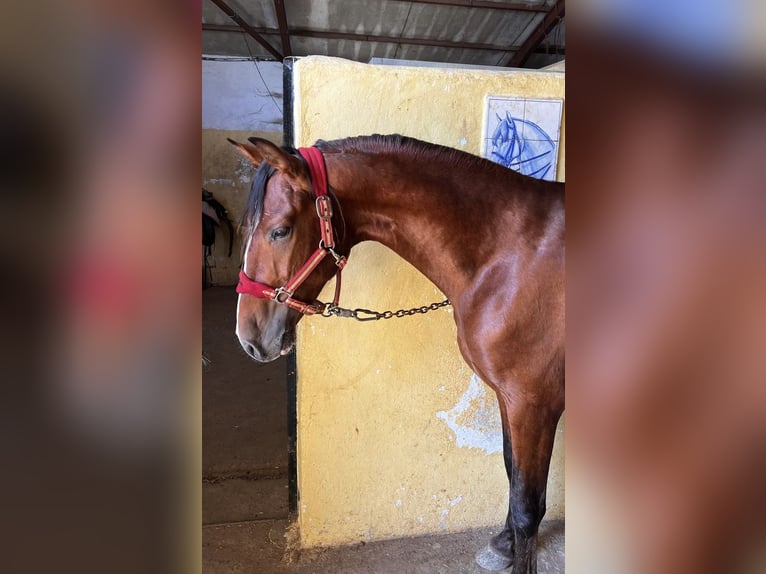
<point>377,456</point>
<point>227,175</point>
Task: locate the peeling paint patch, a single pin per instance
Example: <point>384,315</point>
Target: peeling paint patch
<point>220,181</point>
<point>455,500</point>
<point>245,171</point>
<point>475,419</point>
<point>399,503</point>
<point>443,519</point>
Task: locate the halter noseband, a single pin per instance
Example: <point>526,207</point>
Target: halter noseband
<point>284,295</point>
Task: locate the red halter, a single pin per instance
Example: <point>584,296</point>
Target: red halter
<point>284,295</point>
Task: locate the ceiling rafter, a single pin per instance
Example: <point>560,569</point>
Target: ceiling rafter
<point>284,30</point>
<point>537,36</point>
<point>231,13</point>
<point>517,6</point>
<point>326,34</point>
<point>398,40</point>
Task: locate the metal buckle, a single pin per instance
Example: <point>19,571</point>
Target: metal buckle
<point>339,259</point>
<point>279,292</point>
<point>325,207</point>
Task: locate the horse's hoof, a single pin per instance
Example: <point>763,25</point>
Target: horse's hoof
<point>490,559</point>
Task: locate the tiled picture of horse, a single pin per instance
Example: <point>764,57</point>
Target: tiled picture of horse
<point>523,134</point>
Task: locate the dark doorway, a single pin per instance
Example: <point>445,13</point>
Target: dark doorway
<point>244,423</point>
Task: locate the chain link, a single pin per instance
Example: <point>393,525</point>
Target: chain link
<point>331,310</point>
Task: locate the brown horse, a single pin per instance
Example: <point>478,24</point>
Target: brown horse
<point>491,239</point>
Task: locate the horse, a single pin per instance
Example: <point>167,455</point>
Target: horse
<point>491,239</point>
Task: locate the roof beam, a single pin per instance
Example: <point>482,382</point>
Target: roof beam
<point>537,36</point>
<point>247,28</point>
<point>329,35</point>
<point>518,6</point>
<point>326,34</point>
<point>284,30</point>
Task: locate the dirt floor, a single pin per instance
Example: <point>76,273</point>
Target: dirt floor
<point>244,465</point>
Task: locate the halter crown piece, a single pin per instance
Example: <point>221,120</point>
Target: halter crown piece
<point>284,295</point>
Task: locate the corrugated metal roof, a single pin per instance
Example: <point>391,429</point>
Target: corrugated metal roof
<point>476,32</point>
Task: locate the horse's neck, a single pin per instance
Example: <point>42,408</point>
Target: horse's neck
<point>443,221</point>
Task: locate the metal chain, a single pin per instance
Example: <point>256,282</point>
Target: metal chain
<point>331,310</point>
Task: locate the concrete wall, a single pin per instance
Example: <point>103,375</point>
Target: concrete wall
<point>396,436</point>
<point>239,99</point>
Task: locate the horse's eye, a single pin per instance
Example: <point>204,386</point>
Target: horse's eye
<point>280,233</point>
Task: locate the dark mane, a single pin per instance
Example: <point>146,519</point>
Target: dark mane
<point>396,143</point>
<point>254,205</point>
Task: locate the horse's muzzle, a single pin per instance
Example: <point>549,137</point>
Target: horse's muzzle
<point>257,352</point>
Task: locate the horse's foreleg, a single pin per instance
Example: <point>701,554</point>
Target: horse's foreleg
<point>533,430</point>
<point>498,554</point>
<point>528,435</point>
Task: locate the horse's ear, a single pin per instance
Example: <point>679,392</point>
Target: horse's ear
<point>259,150</point>
<point>250,152</point>
<point>279,159</point>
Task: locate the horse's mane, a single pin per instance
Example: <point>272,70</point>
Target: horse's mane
<point>395,143</point>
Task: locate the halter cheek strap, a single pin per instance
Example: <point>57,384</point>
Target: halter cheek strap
<point>284,295</point>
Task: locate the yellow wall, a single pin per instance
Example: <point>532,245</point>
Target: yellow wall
<point>395,437</point>
<point>227,175</point>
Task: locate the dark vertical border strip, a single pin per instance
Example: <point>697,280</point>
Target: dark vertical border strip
<point>288,139</point>
<point>288,125</point>
<point>292,433</point>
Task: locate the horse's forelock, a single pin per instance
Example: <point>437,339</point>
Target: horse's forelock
<point>254,207</point>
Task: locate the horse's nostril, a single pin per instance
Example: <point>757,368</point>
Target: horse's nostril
<point>254,351</point>
<point>250,350</point>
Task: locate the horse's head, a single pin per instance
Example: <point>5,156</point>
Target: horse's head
<point>282,229</point>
